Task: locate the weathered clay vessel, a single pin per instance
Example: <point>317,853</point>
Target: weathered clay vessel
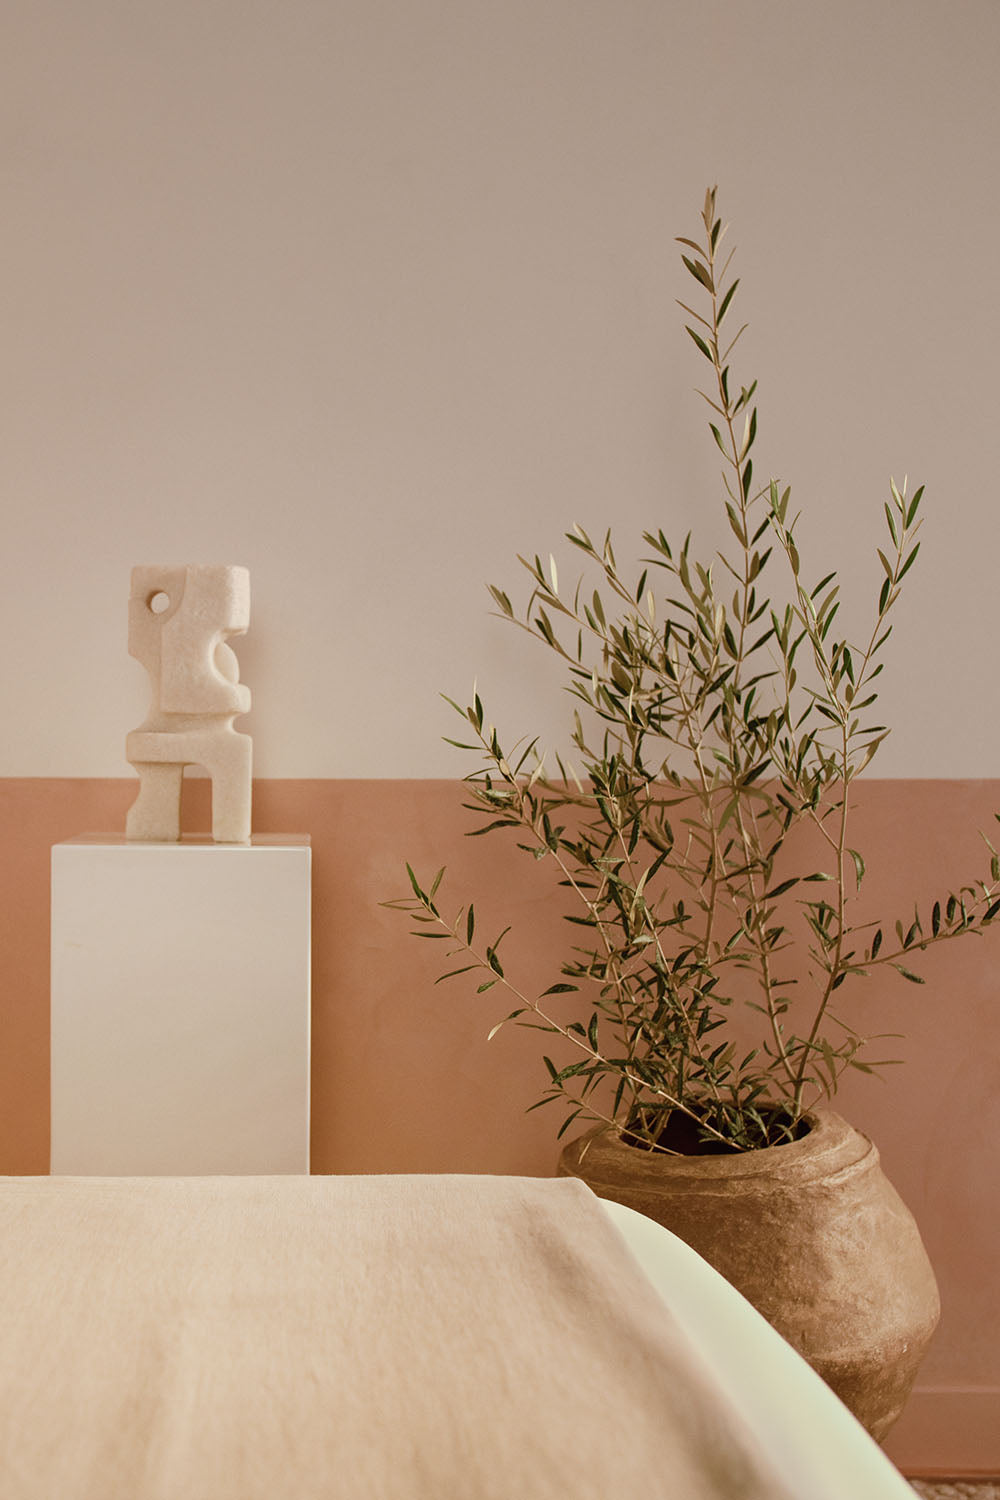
<point>812,1233</point>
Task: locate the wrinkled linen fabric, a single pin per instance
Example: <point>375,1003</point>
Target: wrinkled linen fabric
<point>346,1338</point>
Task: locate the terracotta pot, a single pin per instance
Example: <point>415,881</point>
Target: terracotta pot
<point>812,1233</point>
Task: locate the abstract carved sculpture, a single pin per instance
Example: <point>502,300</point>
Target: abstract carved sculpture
<point>178,622</point>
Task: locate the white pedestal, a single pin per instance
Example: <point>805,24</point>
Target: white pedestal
<point>180,1007</point>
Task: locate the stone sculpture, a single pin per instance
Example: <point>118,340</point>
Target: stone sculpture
<point>179,621</point>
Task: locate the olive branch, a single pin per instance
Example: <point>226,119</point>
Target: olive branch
<point>711,719</point>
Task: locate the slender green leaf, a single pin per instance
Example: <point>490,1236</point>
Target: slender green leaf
<point>700,272</point>
<point>700,342</point>
<point>892,525</point>
<point>724,304</point>
<point>909,562</point>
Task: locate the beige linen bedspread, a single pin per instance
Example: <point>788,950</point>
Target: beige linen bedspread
<point>345,1338</point>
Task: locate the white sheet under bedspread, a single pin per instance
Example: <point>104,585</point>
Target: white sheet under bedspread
<point>350,1338</point>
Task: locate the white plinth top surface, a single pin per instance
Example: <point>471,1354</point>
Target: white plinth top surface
<point>189,841</point>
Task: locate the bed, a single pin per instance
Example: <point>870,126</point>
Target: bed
<point>391,1338</point>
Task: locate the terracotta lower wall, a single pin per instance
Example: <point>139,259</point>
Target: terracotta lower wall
<point>404,1081</point>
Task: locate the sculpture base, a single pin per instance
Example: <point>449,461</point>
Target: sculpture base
<point>180,1007</point>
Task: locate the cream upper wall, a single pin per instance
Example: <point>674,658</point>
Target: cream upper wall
<point>371,296</point>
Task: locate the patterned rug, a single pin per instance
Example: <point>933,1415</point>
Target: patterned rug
<point>958,1489</point>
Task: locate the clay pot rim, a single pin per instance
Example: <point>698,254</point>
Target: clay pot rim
<point>831,1143</point>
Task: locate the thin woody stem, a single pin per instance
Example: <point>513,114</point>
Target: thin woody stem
<point>481,961</point>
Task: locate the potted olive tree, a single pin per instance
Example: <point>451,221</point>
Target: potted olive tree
<point>719,709</point>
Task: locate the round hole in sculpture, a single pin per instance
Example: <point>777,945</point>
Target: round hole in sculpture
<point>159,602</point>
